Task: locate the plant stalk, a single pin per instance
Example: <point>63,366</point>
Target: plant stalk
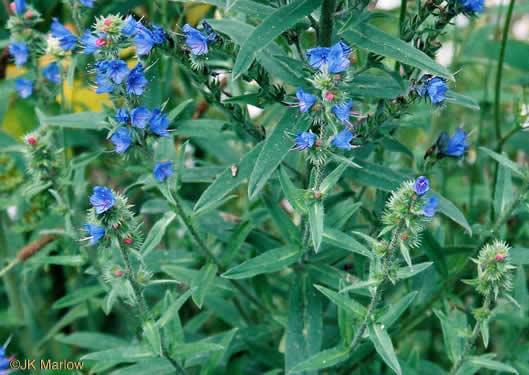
<point>326,22</point>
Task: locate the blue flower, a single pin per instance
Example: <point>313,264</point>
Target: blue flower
<point>89,42</point>
<point>304,140</point>
<point>163,170</point>
<point>430,206</point>
<point>210,34</point>
<point>87,3</point>
<point>121,139</point>
<point>20,5</point>
<point>4,360</point>
<point>159,123</point>
<point>116,70</point>
<point>342,140</point>
<point>103,85</point>
<point>139,117</point>
<point>472,6</point>
<point>95,231</point>
<point>52,72</point>
<point>421,186</point>
<point>136,81</point>
<point>143,40</point>
<point>129,25</point>
<point>456,145</point>
<point>20,52</point>
<point>335,58</point>
<point>436,89</point>
<point>102,199</point>
<point>24,87</point>
<point>342,111</point>
<point>157,33</point>
<point>305,100</point>
<point>65,36</point>
<point>122,116</point>
<point>197,41</point>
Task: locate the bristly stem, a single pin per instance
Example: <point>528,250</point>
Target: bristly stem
<point>144,309</point>
<point>471,341</point>
<point>326,22</point>
<point>505,35</point>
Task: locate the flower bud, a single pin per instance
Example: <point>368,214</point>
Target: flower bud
<point>100,42</point>
<point>404,237</point>
<point>318,143</point>
<point>118,273</point>
<point>105,28</point>
<point>28,15</point>
<point>499,257</point>
<point>329,96</point>
<point>317,195</point>
<point>127,241</point>
<point>13,7</point>
<point>32,140</point>
<point>107,21</point>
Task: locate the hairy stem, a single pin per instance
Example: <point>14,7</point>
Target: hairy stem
<point>471,341</point>
<point>326,22</point>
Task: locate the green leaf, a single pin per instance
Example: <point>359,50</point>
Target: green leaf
<point>504,194</point>
<point>273,25</point>
<point>275,148</point>
<point>374,87</point>
<point>519,255</point>
<point>175,112</point>
<point>343,301</point>
<point>452,325</point>
<point>343,241</point>
<point>173,309</point>
<point>332,178</point>
<point>459,99</point>
<point>374,40</point>
<point>508,163</point>
<point>449,209</point>
<point>288,229</point>
<point>226,182</point>
<point>202,282</point>
<point>215,357</point>
<point>270,261</point>
<point>157,232</point>
<point>295,339</point>
<point>316,212</point>
<point>406,272</point>
<point>126,353</point>
<point>203,128</point>
<point>384,347</point>
<point>80,295</point>
<point>395,310</point>
<point>295,196</point>
<point>359,285</point>
<point>79,120</point>
<point>158,366</point>
<point>379,176</point>
<point>237,239</point>
<point>61,260</point>
<point>324,359</point>
<point>91,340</point>
<point>492,364</point>
<point>405,252</point>
<point>152,336</point>
<point>249,7</point>
<point>484,329</point>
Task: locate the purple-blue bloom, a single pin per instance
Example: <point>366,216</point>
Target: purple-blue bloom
<point>210,34</point>
<point>335,58</point>
<point>197,41</point>
<point>136,81</point>
<point>122,116</point>
<point>436,89</point>
<point>306,100</point>
<point>65,36</point>
<point>116,70</point>
<point>472,6</point>
<point>102,199</point>
<point>89,42</point>
<point>4,360</point>
<point>143,40</point>
<point>157,34</point>
<point>159,123</point>
<point>163,170</point>
<point>304,140</point>
<point>103,84</point>
<point>19,50</point>
<point>20,6</point>
<point>430,206</point>
<point>421,186</point>
<point>87,3</point>
<point>121,139</point>
<point>342,110</point>
<point>129,25</point>
<point>95,231</point>
<point>456,145</point>
<point>52,72</point>
<point>139,117</point>
<point>342,140</point>
<point>24,87</point>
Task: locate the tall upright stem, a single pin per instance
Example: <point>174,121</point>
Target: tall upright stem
<point>326,22</point>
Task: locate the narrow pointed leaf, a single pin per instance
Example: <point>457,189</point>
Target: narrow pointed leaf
<point>343,301</point>
<point>316,213</point>
<point>384,347</point>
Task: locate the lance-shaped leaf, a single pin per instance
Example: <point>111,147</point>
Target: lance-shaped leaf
<point>384,347</point>
<point>316,213</point>
<point>343,301</point>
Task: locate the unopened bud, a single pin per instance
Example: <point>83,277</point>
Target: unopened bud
<point>337,76</point>
<point>318,143</point>
<point>28,14</point>
<point>317,195</point>
<point>329,96</point>
<point>499,257</point>
<point>127,241</point>
<point>105,28</point>
<point>115,226</point>
<point>100,42</point>
<point>107,21</point>
<point>118,273</point>
<point>32,141</point>
<point>13,7</point>
<point>404,237</point>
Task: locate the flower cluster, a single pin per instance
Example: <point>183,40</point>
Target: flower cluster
<point>494,270</point>
<point>445,145</point>
<point>434,87</point>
